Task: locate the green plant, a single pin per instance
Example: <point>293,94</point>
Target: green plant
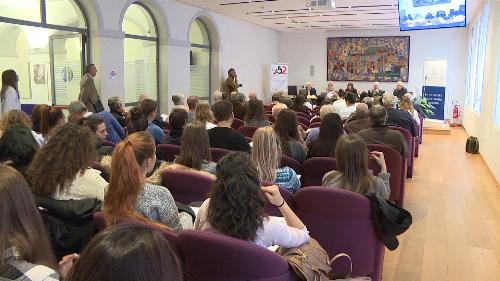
<point>427,108</point>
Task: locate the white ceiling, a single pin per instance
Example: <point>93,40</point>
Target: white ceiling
<point>289,15</point>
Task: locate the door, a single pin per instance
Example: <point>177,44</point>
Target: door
<point>67,57</point>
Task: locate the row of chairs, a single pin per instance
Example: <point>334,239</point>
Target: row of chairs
<point>338,219</point>
<point>188,187</point>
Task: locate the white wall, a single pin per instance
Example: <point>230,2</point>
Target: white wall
<point>481,125</point>
<point>302,49</point>
<point>247,47</point>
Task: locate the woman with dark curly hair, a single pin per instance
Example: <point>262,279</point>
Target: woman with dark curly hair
<point>236,207</point>
<point>17,116</point>
<point>61,168</point>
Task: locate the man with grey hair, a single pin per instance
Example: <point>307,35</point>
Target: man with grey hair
<point>178,100</point>
<point>314,132</point>
<point>360,119</point>
<point>252,96</point>
<point>375,91</point>
<point>217,96</point>
<point>310,90</point>
<point>115,105</point>
<point>277,108</point>
<point>380,133</point>
<point>88,92</point>
<point>400,89</point>
<point>398,117</point>
<point>239,105</point>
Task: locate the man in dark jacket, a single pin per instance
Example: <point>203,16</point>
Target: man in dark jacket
<point>360,119</point>
<point>400,90</point>
<point>380,133</point>
<point>399,117</point>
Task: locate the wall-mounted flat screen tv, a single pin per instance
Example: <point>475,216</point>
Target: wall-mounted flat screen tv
<point>431,14</point>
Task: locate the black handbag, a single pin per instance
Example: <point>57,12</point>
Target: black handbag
<point>472,145</point>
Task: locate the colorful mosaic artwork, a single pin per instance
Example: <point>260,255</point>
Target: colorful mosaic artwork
<point>383,59</point>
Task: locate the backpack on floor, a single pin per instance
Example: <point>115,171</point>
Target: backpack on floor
<point>472,145</point>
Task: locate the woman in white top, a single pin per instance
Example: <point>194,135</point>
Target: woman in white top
<point>203,114</point>
<point>61,170</point>
<point>236,207</point>
<point>9,94</point>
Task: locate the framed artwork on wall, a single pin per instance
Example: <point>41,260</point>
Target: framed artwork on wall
<point>383,59</point>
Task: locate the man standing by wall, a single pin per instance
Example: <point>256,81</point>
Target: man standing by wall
<point>231,84</point>
<point>88,91</point>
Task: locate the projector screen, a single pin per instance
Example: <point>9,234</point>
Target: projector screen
<point>429,14</point>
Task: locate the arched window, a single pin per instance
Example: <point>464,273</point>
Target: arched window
<point>45,42</point>
<point>140,54</point>
<point>200,60</point>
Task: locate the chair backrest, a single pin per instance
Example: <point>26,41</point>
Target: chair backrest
<point>287,161</point>
<point>108,143</point>
<point>410,147</point>
<point>304,120</point>
<point>168,152</point>
<point>315,125</point>
<point>237,123</point>
<point>421,129</point>
<point>304,115</point>
<point>396,167</point>
<point>185,186</point>
<point>341,222</point>
<point>315,168</point>
<point>99,220</point>
<point>315,119</point>
<point>247,131</point>
<point>211,256</point>
<point>271,209</point>
<point>218,153</point>
<point>271,118</point>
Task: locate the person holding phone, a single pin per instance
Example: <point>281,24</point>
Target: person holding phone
<point>353,174</point>
<point>231,84</point>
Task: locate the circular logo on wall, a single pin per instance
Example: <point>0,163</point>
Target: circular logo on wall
<point>67,74</point>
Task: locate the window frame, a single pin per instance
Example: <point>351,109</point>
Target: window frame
<point>145,38</point>
<point>206,47</point>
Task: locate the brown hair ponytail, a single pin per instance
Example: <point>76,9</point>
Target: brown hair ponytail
<point>49,116</point>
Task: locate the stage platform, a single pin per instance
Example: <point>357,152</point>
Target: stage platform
<point>436,127</point>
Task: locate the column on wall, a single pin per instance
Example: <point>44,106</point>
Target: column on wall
<point>178,79</point>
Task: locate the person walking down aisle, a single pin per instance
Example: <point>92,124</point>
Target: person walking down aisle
<point>88,91</point>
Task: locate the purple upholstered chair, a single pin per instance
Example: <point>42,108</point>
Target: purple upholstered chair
<point>315,119</point>
<point>341,222</point>
<point>271,209</point>
<point>287,161</point>
<point>237,123</point>
<point>99,220</point>
<point>28,108</point>
<point>315,168</point>
<point>421,129</point>
<point>304,115</point>
<point>168,152</point>
<point>396,167</point>
<point>218,153</point>
<point>417,142</point>
<point>211,256</point>
<point>409,145</point>
<point>247,131</point>
<point>315,125</point>
<point>185,186</point>
<point>304,121</point>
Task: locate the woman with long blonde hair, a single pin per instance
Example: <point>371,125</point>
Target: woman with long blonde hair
<point>203,114</point>
<point>266,156</point>
<point>353,174</point>
<point>406,105</point>
<point>129,196</point>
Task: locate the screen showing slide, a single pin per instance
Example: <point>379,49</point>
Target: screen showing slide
<point>429,14</point>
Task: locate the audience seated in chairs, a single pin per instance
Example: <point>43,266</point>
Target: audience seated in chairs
<point>236,207</point>
<point>18,117</point>
<point>398,117</point>
<point>330,131</point>
<point>299,104</point>
<point>115,131</point>
<point>150,110</point>
<point>77,110</point>
<point>192,102</point>
<point>406,105</point>
<point>380,133</point>
<point>127,253</point>
<point>50,119</point>
<point>60,170</point>
<point>266,156</point>
<point>239,105</point>
<point>25,250</point>
<point>286,129</point>
<point>128,193</point>
<point>17,147</point>
<point>137,122</point>
<point>313,134</point>
<point>98,127</point>
<point>359,121</point>
<point>350,100</point>
<point>277,108</point>
<point>223,136</point>
<point>256,115</point>
<point>353,174</point>
<point>177,119</point>
<point>203,114</point>
<point>116,109</point>
<point>195,151</point>
<point>36,117</point>
<point>340,104</point>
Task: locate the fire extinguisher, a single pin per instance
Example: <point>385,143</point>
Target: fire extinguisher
<point>456,114</point>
